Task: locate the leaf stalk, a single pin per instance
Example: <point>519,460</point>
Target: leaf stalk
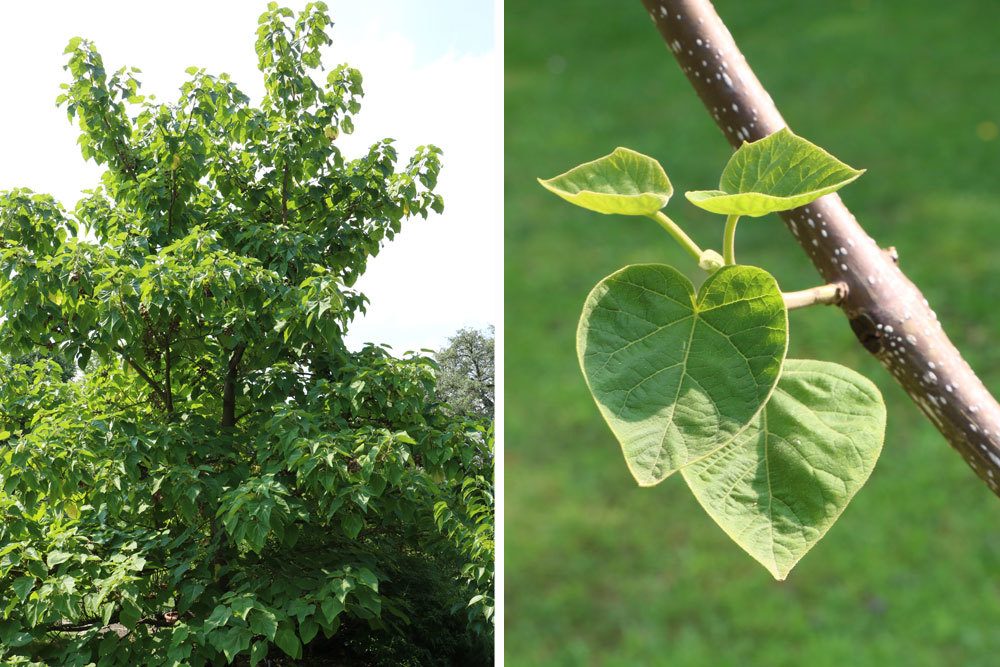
<point>674,230</point>
<point>729,240</point>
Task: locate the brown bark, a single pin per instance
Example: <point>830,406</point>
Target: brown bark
<point>229,392</point>
<point>886,311</point>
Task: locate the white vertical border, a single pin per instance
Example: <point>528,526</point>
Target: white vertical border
<point>498,489</point>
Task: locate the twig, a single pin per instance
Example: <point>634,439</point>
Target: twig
<point>828,295</point>
<point>887,312</point>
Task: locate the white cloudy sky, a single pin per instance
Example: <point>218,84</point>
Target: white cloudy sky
<point>432,75</point>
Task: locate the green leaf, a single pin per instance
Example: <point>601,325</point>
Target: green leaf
<point>624,182</point>
<point>780,484</point>
<point>258,652</point>
<point>241,607</point>
<point>56,557</point>
<point>129,614</point>
<point>368,578</point>
<point>22,587</point>
<point>676,377</point>
<point>219,617</point>
<point>777,173</point>
<point>232,641</point>
<point>331,607</point>
<point>263,622</point>
<point>352,525</point>
<point>287,641</point>
<point>301,609</point>
<point>308,629</point>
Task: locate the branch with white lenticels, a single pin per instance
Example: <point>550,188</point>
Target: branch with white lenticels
<point>886,311</point>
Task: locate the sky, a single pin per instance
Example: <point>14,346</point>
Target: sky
<point>431,75</point>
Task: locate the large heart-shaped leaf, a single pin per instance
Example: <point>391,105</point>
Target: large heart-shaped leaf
<point>780,484</point>
<point>777,173</point>
<point>675,376</point>
<point>624,182</point>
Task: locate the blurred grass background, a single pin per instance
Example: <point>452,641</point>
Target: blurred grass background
<point>600,572</point>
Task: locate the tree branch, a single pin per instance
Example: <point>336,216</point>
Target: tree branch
<point>886,311</point>
<point>163,620</point>
<point>144,375</point>
<point>229,388</point>
<point>829,295</point>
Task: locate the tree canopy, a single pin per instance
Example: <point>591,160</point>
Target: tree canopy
<point>220,476</point>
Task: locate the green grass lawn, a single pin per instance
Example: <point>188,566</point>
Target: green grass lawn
<point>601,572</point>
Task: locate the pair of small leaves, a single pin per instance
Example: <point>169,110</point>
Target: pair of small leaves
<point>696,383</point>
<point>777,173</point>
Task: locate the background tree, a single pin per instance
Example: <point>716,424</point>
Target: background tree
<point>222,476</point>
<point>465,379</point>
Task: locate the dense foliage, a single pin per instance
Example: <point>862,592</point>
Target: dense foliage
<point>220,476</point>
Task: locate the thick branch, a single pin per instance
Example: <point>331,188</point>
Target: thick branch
<point>164,620</point>
<point>229,388</point>
<point>154,385</point>
<point>887,312</point>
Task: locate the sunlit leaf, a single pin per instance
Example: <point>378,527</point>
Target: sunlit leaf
<point>676,375</point>
<point>781,483</point>
<point>624,182</point>
<point>779,172</point>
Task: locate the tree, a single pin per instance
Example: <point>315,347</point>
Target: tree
<point>221,476</point>
<point>465,379</point>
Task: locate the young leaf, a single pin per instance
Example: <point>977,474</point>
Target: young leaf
<point>675,376</point>
<point>780,484</point>
<point>624,182</point>
<point>777,173</point>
